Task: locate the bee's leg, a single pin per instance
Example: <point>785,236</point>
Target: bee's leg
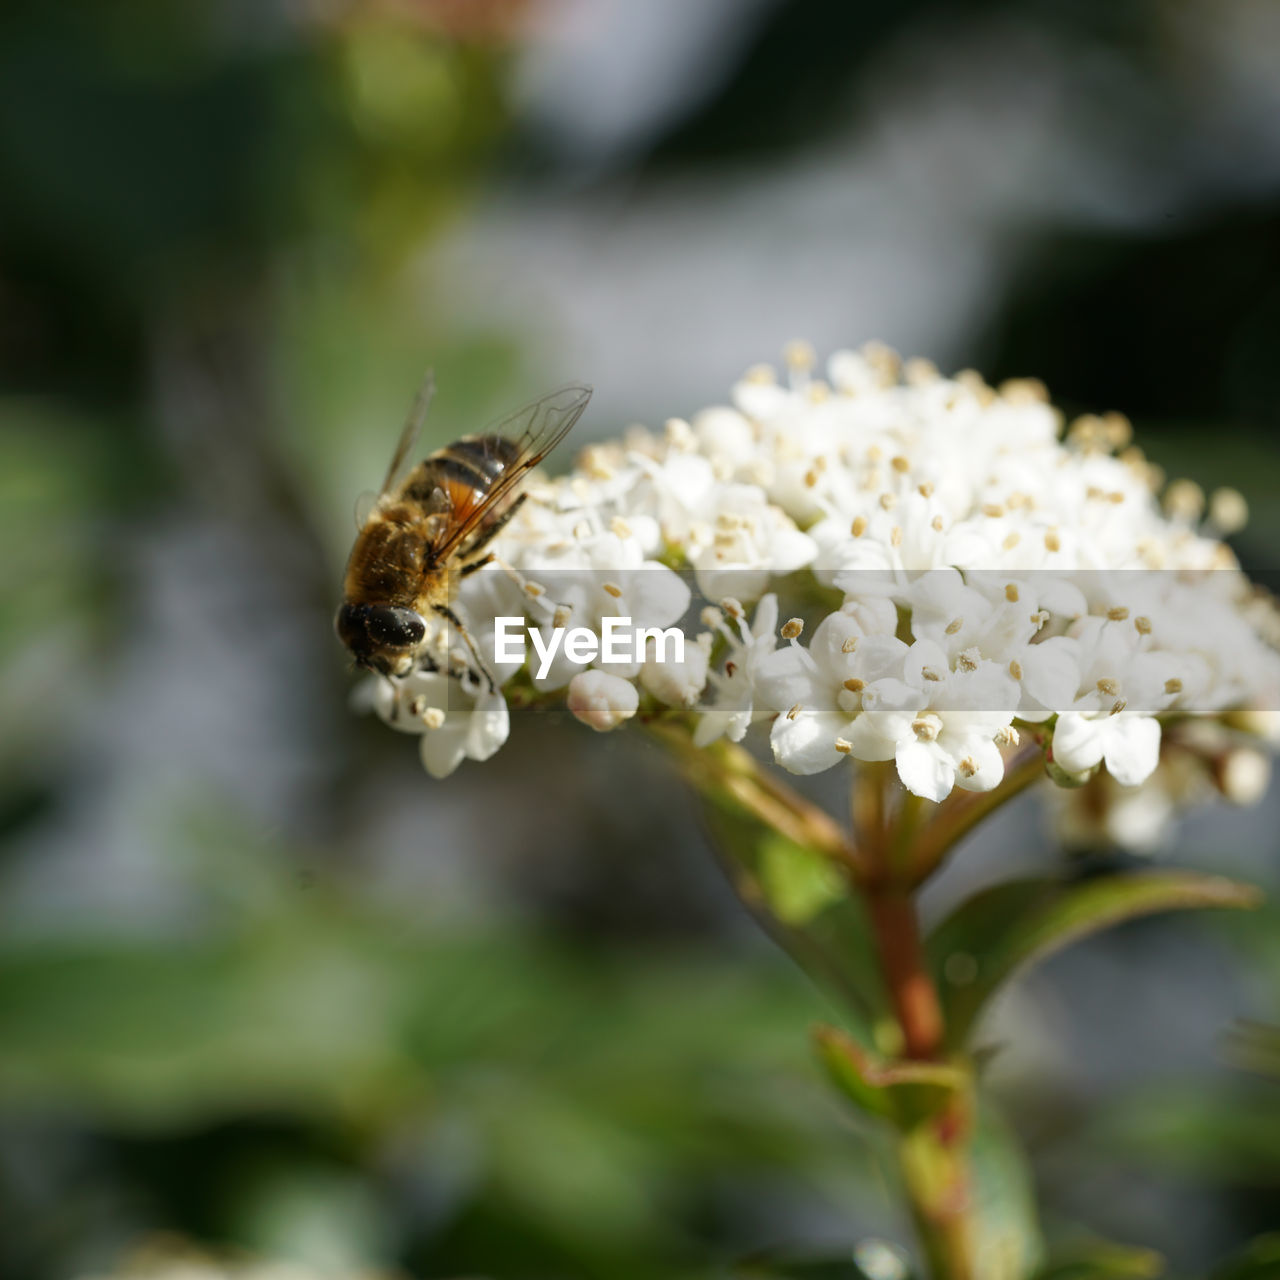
<point>445,612</point>
<point>468,569</point>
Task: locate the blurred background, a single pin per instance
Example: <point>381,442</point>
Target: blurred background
<point>263,984</point>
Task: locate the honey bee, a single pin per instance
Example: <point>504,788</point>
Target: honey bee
<point>436,519</point>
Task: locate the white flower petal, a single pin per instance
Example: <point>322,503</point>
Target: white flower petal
<point>1132,748</point>
<point>1077,742</point>
<point>926,770</point>
<point>807,743</point>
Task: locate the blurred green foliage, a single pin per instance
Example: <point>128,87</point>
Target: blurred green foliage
<point>212,320</point>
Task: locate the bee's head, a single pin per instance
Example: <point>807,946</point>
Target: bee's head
<point>381,637</point>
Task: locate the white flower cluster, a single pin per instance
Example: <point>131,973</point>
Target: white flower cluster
<point>970,573</point>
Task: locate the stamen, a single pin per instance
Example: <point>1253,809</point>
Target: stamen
<point>792,628</point>
<point>926,728</point>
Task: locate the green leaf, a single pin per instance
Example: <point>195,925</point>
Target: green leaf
<point>797,882</point>
<point>803,903</point>
<point>1259,1261</point>
<point>1008,1244</point>
<point>1102,1260</point>
<point>865,1260</point>
<point>993,935</point>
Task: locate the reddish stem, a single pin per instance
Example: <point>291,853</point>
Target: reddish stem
<point>906,973</point>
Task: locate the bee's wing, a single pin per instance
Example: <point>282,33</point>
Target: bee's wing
<point>364,507</point>
<point>409,434</point>
<point>534,430</point>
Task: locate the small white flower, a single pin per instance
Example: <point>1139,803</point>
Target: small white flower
<point>734,708</point>
<point>457,720</point>
<point>954,730</point>
<point>824,694</point>
<point>679,684</point>
<point>597,576</point>
<point>744,543</point>
<point>601,700</point>
<point>1123,687</point>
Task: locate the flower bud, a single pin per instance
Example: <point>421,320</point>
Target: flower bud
<point>1243,775</point>
<point>678,684</point>
<point>601,700</point>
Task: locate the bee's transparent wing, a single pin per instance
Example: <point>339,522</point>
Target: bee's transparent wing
<point>539,427</point>
<point>409,434</point>
<point>534,430</point>
<point>364,507</point>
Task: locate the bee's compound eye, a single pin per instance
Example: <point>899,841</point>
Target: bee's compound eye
<point>394,626</point>
<point>350,625</point>
<point>375,633</point>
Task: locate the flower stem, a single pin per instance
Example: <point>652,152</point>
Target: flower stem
<point>932,1148</point>
<point>911,989</point>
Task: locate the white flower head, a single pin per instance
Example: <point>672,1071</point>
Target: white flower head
<point>972,570</point>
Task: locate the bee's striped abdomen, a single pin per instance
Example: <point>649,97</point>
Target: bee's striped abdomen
<point>470,466</point>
